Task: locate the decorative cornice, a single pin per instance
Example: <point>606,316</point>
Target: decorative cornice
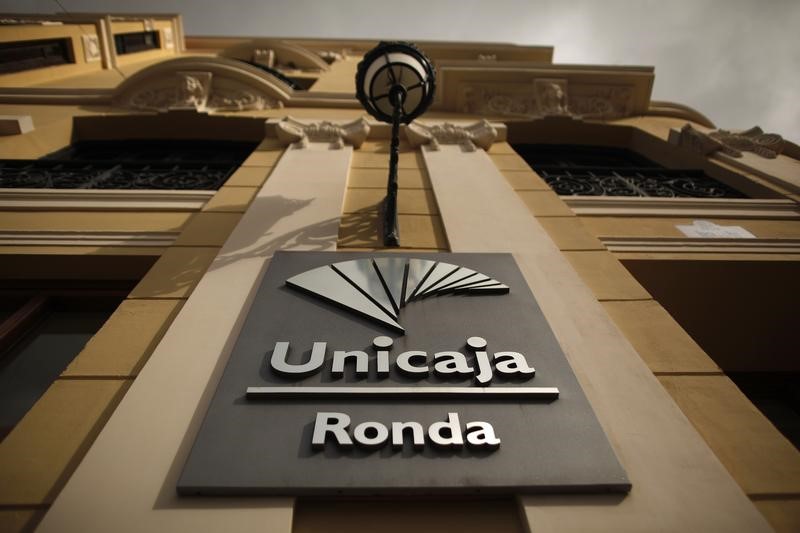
<point>767,145</point>
<point>299,134</point>
<point>481,134</point>
<point>682,207</point>
<point>102,200</point>
<point>671,109</point>
<point>87,238</point>
<point>703,246</point>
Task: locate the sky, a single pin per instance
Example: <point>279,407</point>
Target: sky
<point>735,61</point>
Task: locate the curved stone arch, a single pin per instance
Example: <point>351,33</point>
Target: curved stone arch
<point>288,54</point>
<point>202,84</point>
<point>675,110</point>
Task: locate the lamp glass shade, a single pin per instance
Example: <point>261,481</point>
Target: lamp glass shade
<point>397,69</point>
<point>395,74</point>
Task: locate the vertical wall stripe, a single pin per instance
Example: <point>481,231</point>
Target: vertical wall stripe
<point>654,440</point>
<point>153,428</point>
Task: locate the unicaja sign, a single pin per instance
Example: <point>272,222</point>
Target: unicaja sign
<point>369,373</point>
<point>377,288</point>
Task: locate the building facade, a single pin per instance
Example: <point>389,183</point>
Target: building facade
<point>147,180</point>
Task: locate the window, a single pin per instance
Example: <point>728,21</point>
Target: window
<point>135,164</point>
<point>41,331</point>
<point>129,43</point>
<point>603,171</point>
<point>776,395</point>
<point>29,55</point>
<point>278,74</point>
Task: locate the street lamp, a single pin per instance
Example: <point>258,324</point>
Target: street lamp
<point>395,83</point>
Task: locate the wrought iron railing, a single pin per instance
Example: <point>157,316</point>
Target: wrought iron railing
<point>577,170</point>
<point>50,174</point>
<point>634,181</point>
<point>129,164</point>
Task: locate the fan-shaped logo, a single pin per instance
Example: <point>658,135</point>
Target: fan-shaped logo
<point>378,288</point>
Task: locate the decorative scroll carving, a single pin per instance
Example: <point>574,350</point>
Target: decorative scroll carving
<point>548,97</point>
<point>264,56</point>
<point>600,101</point>
<point>291,131</point>
<point>480,134</point>
<point>331,56</point>
<point>767,145</point>
<point>169,38</point>
<point>694,140</point>
<point>91,48</point>
<point>202,92</point>
<point>754,140</point>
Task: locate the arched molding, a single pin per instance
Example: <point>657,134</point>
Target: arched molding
<point>202,84</point>
<point>660,108</point>
<point>286,55</point>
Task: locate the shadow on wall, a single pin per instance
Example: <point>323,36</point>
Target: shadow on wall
<point>362,228</point>
<point>263,231</point>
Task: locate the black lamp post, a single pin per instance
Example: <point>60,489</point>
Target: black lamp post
<point>395,83</point>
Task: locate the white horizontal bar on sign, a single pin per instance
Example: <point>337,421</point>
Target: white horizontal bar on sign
<point>538,393</point>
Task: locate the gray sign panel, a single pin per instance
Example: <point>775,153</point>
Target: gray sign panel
<point>466,392</point>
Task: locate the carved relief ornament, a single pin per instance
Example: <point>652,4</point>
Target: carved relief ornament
<point>548,97</point>
<point>199,91</point>
<point>767,145</point>
<point>480,134</point>
<point>299,134</point>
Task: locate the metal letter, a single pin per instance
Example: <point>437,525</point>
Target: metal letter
<point>448,363</point>
<point>404,364</point>
<point>481,435</point>
<point>279,364</point>
<point>417,434</point>
<point>511,363</point>
<point>382,345</point>
<point>484,375</point>
<point>361,438</point>
<point>336,424</point>
<point>341,356</point>
<point>452,426</point>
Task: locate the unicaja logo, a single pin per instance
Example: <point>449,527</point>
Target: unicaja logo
<point>377,288</point>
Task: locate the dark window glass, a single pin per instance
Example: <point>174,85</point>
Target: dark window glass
<point>29,55</point>
<point>37,342</point>
<point>134,164</point>
<point>604,171</point>
<point>275,72</point>
<point>128,43</point>
<point>777,396</point>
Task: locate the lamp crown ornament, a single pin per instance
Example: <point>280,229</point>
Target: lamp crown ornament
<point>395,82</point>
